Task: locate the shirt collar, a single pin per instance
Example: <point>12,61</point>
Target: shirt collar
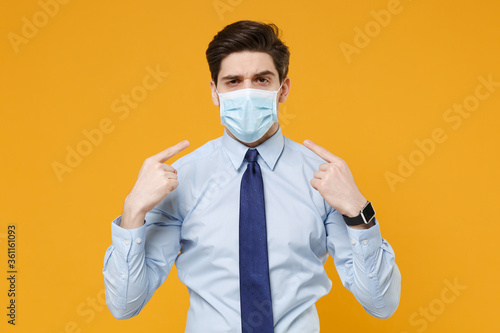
<point>270,150</point>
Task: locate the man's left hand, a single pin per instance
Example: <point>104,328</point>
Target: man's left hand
<point>335,183</point>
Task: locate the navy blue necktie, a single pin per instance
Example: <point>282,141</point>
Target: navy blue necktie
<point>255,291</point>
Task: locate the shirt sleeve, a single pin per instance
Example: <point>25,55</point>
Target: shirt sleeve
<point>366,265</point>
<point>138,262</point>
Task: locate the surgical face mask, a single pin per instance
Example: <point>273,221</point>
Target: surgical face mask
<point>248,113</point>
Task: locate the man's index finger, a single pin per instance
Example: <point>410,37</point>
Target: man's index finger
<point>320,151</point>
<point>168,153</point>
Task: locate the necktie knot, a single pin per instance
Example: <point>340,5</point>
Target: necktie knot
<point>251,155</point>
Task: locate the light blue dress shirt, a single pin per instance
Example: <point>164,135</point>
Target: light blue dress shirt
<point>196,227</point>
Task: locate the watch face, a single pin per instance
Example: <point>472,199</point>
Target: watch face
<point>368,212</point>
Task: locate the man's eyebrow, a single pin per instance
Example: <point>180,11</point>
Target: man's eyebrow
<point>233,76</point>
<point>266,72</point>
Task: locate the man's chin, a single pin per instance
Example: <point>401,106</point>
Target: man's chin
<point>270,132</point>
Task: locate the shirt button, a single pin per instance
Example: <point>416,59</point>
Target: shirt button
<point>353,242</point>
<point>370,275</point>
<point>123,276</point>
<point>138,241</point>
<point>365,242</point>
<point>126,242</point>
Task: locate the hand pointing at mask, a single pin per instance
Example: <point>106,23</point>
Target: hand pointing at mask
<point>154,182</point>
<point>335,183</point>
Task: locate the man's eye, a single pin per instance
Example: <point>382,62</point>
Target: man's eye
<point>262,80</point>
<point>232,82</point>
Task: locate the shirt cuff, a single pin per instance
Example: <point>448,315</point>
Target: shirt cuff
<point>365,241</point>
<point>127,242</point>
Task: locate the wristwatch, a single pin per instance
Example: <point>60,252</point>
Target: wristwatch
<point>365,216</point>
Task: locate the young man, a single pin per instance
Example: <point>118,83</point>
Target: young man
<point>249,218</point>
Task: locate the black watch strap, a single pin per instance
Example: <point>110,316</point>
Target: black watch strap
<point>365,216</point>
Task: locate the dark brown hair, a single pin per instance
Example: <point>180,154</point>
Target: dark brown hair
<point>248,36</point>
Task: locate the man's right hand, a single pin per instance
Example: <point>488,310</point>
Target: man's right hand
<point>155,181</point>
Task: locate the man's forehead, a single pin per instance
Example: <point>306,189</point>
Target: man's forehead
<point>247,63</point>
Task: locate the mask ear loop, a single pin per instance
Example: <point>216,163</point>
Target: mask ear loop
<point>282,83</point>
<point>277,99</point>
<point>218,94</point>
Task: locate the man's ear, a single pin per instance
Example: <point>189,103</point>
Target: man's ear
<point>285,90</point>
<point>215,96</point>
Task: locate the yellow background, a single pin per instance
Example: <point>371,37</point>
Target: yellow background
<point>368,108</point>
